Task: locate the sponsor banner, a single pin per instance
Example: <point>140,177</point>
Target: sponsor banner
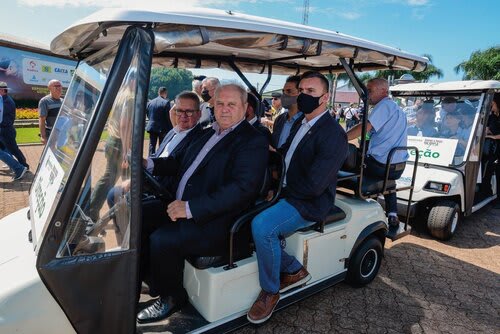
<point>27,73</point>
<point>40,72</point>
<point>437,151</point>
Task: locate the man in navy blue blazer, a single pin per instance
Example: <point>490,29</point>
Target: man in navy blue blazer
<point>158,119</point>
<point>313,156</point>
<point>215,180</point>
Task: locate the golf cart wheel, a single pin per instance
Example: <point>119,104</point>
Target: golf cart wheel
<point>443,219</point>
<point>364,265</point>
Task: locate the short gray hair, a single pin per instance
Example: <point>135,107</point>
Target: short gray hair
<point>53,81</point>
<point>241,90</point>
<point>379,82</point>
<point>213,80</point>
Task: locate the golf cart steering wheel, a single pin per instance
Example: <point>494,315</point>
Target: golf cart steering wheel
<point>152,184</point>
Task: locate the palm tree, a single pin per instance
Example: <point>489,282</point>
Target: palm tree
<point>482,65</point>
<point>424,76</point>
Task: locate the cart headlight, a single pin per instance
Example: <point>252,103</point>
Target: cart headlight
<point>438,187</point>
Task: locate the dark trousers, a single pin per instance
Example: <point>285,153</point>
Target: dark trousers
<point>165,246</point>
<point>8,138</point>
<point>113,154</point>
<point>154,139</point>
<point>490,166</point>
<point>377,170</point>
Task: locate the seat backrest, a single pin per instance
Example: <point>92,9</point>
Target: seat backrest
<point>273,178</point>
<point>351,160</point>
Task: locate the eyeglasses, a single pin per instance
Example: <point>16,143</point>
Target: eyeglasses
<point>188,112</point>
<point>276,98</point>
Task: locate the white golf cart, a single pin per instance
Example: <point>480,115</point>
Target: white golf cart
<point>69,263</point>
<point>449,173</point>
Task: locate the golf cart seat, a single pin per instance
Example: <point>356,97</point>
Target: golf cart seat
<point>348,177</point>
<point>240,233</point>
<point>335,214</point>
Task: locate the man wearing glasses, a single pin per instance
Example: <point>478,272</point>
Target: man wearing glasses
<point>48,109</point>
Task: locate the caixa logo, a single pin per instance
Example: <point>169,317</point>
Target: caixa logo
<point>60,70</point>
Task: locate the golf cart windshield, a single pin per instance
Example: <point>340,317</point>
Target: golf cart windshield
<point>59,156</point>
<point>442,127</point>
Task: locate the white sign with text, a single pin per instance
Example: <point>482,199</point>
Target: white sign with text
<point>43,193</point>
<point>437,151</point>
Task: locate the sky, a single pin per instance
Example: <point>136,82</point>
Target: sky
<point>448,30</point>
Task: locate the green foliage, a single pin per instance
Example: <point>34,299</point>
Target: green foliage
<point>482,65</point>
<point>424,76</point>
<point>176,80</point>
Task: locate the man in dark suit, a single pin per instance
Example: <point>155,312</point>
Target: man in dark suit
<point>158,119</point>
<point>177,140</point>
<point>289,121</point>
<point>313,156</point>
<point>216,178</point>
<point>7,130</point>
<point>252,117</point>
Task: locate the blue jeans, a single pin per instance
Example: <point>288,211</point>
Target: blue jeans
<point>13,164</point>
<point>279,221</point>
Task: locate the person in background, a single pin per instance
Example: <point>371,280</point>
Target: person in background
<point>197,85</point>
<point>289,121</point>
<point>351,116</point>
<point>48,109</point>
<point>422,126</point>
<point>7,130</point>
<point>158,119</point>
<point>209,86</point>
<point>253,119</point>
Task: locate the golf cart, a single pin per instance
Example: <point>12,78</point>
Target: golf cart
<point>450,170</point>
<point>69,262</point>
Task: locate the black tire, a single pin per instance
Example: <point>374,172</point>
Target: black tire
<point>443,219</point>
<point>364,265</point>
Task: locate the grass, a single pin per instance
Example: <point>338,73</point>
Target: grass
<point>30,135</point>
<point>27,135</point>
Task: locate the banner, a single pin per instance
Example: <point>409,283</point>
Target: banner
<point>27,73</point>
<point>436,151</point>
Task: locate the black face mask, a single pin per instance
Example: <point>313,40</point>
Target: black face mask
<point>307,103</point>
<point>205,95</point>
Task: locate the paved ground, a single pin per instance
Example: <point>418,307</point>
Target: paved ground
<point>424,286</point>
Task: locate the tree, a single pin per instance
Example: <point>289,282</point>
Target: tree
<point>175,80</point>
<point>424,76</point>
<point>482,65</point>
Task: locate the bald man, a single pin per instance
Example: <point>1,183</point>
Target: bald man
<point>388,129</point>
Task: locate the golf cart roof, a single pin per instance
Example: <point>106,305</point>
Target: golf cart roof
<point>203,38</point>
<point>446,87</point>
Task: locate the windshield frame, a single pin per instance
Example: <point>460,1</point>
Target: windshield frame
<point>479,115</point>
<point>39,228</point>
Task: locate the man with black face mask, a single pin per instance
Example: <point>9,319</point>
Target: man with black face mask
<point>313,156</point>
<point>289,121</point>
<point>208,87</point>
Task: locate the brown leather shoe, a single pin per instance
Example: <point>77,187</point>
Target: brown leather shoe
<point>290,281</point>
<point>263,307</point>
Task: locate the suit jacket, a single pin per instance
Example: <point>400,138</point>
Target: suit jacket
<point>278,127</point>
<point>158,115</point>
<point>263,129</point>
<point>226,182</point>
<point>181,147</point>
<point>312,174</point>
<point>9,112</point>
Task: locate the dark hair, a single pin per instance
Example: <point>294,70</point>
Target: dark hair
<point>162,90</point>
<point>496,99</point>
<point>295,79</point>
<point>321,77</point>
<point>253,101</point>
<point>199,77</point>
<point>189,95</point>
